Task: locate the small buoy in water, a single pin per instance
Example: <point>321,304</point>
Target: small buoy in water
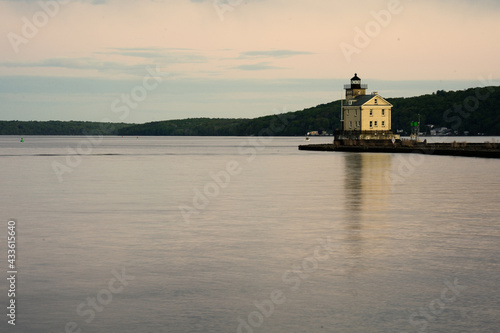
<point>22,140</point>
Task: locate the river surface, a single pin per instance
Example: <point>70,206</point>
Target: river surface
<point>237,234</point>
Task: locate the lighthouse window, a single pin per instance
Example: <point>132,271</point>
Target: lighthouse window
<point>371,112</point>
<point>375,123</point>
<point>371,124</point>
<point>375,101</point>
<point>350,124</point>
<point>383,112</point>
<point>383,123</point>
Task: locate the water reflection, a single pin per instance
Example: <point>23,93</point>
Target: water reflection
<point>367,193</point>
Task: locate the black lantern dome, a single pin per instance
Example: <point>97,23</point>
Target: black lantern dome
<point>355,82</point>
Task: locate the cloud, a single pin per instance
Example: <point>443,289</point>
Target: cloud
<point>273,54</point>
<point>173,55</point>
<point>79,64</point>
<point>261,66</point>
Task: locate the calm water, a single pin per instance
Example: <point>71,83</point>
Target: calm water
<point>248,235</point>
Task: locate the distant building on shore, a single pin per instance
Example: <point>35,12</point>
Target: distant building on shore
<point>364,117</point>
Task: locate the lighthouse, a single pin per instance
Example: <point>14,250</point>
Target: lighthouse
<point>364,116</point>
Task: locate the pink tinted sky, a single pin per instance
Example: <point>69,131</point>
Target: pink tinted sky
<point>234,58</point>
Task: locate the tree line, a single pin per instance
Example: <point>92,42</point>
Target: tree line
<point>54,127</point>
<point>473,111</point>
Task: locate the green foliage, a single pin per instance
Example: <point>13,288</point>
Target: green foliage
<point>58,127</point>
<point>476,110</point>
<point>185,127</point>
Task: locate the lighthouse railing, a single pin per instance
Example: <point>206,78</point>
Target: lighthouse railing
<point>358,86</point>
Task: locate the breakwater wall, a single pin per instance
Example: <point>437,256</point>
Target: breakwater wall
<point>485,150</point>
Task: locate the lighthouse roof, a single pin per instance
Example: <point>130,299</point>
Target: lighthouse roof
<point>369,100</point>
<point>355,77</point>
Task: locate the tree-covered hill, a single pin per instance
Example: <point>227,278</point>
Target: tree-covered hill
<point>58,127</point>
<point>191,126</point>
<point>321,118</point>
<point>475,110</point>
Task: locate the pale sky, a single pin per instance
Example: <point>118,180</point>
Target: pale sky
<point>147,60</point>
